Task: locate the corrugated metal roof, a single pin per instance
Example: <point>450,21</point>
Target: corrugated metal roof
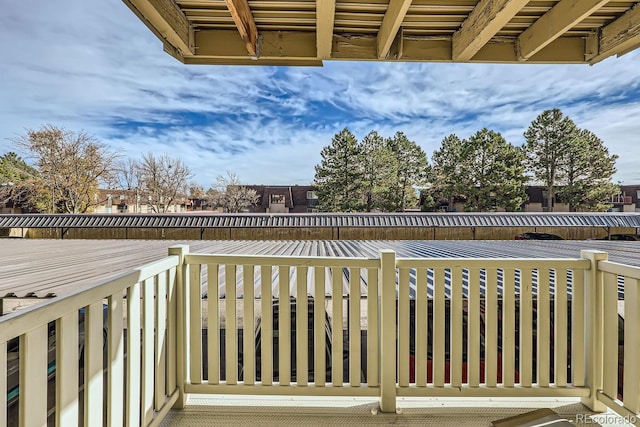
<point>191,220</point>
<point>41,268</point>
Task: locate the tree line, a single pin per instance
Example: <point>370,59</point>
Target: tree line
<point>484,171</point>
<point>70,167</point>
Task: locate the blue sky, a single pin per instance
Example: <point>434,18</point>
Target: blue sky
<point>93,66</point>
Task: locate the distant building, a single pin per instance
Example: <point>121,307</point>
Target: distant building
<point>130,201</point>
<point>285,199</point>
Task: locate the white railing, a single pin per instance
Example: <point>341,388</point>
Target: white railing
<point>289,325</point>
<point>46,347</point>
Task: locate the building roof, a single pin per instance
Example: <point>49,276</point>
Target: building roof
<point>47,268</point>
<point>208,220</point>
<point>307,32</point>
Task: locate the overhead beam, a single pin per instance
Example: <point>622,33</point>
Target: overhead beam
<point>619,37</point>
<point>242,16</point>
<point>325,17</point>
<point>299,48</point>
<point>557,21</point>
<point>391,22</point>
<point>166,20</point>
<point>484,22</point>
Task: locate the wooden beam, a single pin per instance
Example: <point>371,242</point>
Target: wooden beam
<point>619,37</point>
<point>166,20</point>
<point>242,16</point>
<point>484,22</point>
<point>391,22</point>
<point>562,17</point>
<point>325,16</point>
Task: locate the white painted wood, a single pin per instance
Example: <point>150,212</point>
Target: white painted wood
<point>171,332</point>
<point>610,336</point>
<point>231,328</point>
<point>115,362</point>
<point>439,322</point>
<point>195,323</point>
<point>67,370</point>
<point>561,327</point>
<point>544,328</point>
<point>422,331</point>
<point>213,325</point>
<point>93,355</point>
<point>148,343</point>
<point>3,381</point>
<point>133,356</point>
<point>526,329</point>
<point>302,327</point>
<point>160,341</point>
<point>456,327</point>
<point>631,385</point>
<point>387,291</point>
<point>508,328</point>
<point>284,326</point>
<point>336,327</point>
<point>491,328</point>
<point>473,332</point>
<point>577,329</point>
<point>248,354</point>
<point>319,332</point>
<point>266,325</point>
<point>403,327</point>
<point>354,327</point>
<point>33,377</point>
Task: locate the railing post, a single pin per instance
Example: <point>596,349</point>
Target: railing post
<point>387,292</point>
<point>593,328</point>
<point>181,322</point>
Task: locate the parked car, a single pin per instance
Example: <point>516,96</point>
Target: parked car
<point>537,236</point>
<point>620,238</point>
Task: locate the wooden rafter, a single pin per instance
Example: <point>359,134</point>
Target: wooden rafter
<point>391,22</point>
<point>325,16</point>
<point>563,16</point>
<point>242,16</point>
<point>166,20</point>
<point>619,37</point>
<point>484,22</point>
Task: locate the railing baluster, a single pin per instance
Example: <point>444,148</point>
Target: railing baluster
<point>373,362</point>
<point>631,385</point>
<point>171,332</point>
<point>302,327</point>
<point>3,384</point>
<point>266,338</point>
<point>508,327</point>
<point>160,340</point>
<point>213,325</point>
<point>133,356</point>
<point>610,325</point>
<point>319,331</point>
<point>577,328</point>
<point>231,329</point>
<point>336,327</point>
<point>403,327</point>
<point>67,370</point>
<point>473,331</point>
<point>93,355</point>
<point>456,327</point>
<point>491,328</point>
<point>284,326</point>
<point>148,343</point>
<point>33,377</point>
<point>115,364</point>
<point>421,328</point>
<point>543,324</point>
<point>248,354</point>
<point>354,327</point>
<point>439,323</point>
<point>526,328</point>
<point>561,327</point>
<point>195,320</point>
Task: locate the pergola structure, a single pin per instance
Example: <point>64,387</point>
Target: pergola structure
<point>307,32</point>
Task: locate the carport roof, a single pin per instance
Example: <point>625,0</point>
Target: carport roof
<point>307,32</point>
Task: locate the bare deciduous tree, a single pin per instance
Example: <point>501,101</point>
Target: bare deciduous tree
<point>231,195</point>
<point>71,166</point>
<point>163,180</point>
